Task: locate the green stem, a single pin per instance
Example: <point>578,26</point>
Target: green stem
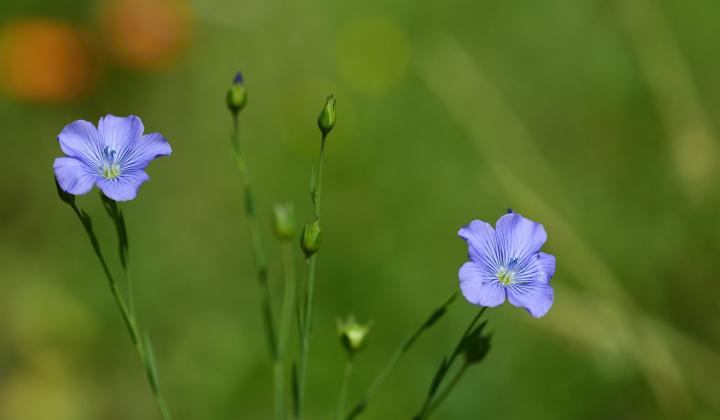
<point>128,318</point>
<point>344,387</point>
<point>288,297</point>
<point>445,392</point>
<point>427,404</point>
<point>260,264</point>
<point>305,329</point>
<point>403,348</point>
<point>318,185</point>
<point>285,321</point>
<point>306,324</point>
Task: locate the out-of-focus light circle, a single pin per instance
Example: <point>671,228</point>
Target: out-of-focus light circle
<point>45,60</point>
<point>372,55</point>
<point>145,34</point>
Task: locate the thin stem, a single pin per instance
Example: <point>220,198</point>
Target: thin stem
<point>318,185</point>
<point>468,330</point>
<point>403,348</point>
<point>344,387</point>
<point>128,318</point>
<point>445,392</point>
<point>260,264</point>
<point>285,321</point>
<point>288,297</point>
<point>306,324</point>
<point>429,398</point>
<point>305,330</point>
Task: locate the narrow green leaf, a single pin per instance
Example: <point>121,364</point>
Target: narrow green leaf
<point>295,391</point>
<point>151,364</point>
<point>439,376</point>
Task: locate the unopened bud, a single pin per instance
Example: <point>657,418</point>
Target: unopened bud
<point>326,119</point>
<point>476,345</point>
<point>352,335</point>
<point>236,96</point>
<point>310,240</point>
<point>284,221</point>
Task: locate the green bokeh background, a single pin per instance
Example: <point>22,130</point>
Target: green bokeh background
<point>597,118</point>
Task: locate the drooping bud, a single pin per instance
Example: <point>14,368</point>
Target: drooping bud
<point>236,96</point>
<point>352,335</point>
<point>476,345</point>
<point>326,119</point>
<point>310,240</point>
<point>284,220</point>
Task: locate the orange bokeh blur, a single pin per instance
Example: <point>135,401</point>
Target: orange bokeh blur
<point>45,60</point>
<point>145,34</point>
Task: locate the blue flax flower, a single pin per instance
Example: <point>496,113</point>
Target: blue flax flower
<point>112,156</point>
<point>506,262</point>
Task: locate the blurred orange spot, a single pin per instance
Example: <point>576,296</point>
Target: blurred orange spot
<point>44,60</point>
<point>146,34</point>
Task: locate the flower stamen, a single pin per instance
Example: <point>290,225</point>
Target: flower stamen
<point>110,169</point>
<point>505,276</point>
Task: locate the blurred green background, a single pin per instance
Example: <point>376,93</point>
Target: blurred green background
<point>596,118</point>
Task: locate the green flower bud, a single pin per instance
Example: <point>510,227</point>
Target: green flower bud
<point>310,240</point>
<point>326,119</point>
<point>236,96</point>
<point>476,345</point>
<point>284,221</point>
<point>352,335</point>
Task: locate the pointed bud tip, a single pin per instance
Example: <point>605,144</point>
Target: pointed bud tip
<point>310,239</point>
<point>236,97</point>
<point>352,334</point>
<point>284,220</point>
<point>326,119</point>
<point>238,80</point>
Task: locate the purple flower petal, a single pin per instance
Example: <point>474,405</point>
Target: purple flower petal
<point>482,246</point>
<point>547,263</point>
<point>479,286</point>
<point>80,139</point>
<point>518,237</point>
<point>74,175</point>
<point>536,297</point>
<point>124,187</point>
<point>120,133</point>
<point>147,148</point>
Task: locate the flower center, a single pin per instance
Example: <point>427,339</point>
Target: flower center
<point>110,168</point>
<point>111,171</point>
<point>505,276</point>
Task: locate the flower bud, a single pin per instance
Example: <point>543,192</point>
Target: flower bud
<point>326,119</point>
<point>236,96</point>
<point>476,345</point>
<point>310,240</point>
<point>284,221</point>
<point>352,335</point>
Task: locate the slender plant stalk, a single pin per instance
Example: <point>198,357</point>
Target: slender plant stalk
<point>445,392</point>
<point>306,324</point>
<point>318,184</point>
<point>344,387</point>
<point>285,318</point>
<point>116,214</point>
<point>261,266</point>
<point>427,406</point>
<point>405,345</point>
<point>141,344</point>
